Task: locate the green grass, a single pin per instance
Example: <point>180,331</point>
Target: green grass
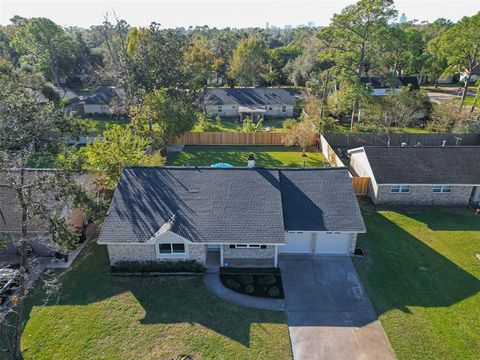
<point>101,316</point>
<point>100,124</point>
<point>265,156</point>
<point>422,276</point>
<point>232,125</point>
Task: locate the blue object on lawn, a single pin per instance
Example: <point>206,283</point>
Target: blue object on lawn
<point>222,165</point>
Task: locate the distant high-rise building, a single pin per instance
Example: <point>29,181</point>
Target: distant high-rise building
<point>266,26</point>
<point>311,24</point>
<point>403,18</point>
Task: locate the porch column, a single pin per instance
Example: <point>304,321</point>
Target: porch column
<point>275,260</point>
<point>221,255</point>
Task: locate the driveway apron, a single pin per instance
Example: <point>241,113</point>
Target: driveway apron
<point>329,313</point>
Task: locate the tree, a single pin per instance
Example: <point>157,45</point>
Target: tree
<point>460,45</point>
<point>199,62</point>
<point>163,115</point>
<point>250,126</point>
<point>305,66</point>
<point>405,108</point>
<point>46,44</point>
<point>352,37</point>
<point>119,147</point>
<point>446,117</point>
<point>278,59</point>
<point>248,65</point>
<point>28,128</point>
<point>302,135</point>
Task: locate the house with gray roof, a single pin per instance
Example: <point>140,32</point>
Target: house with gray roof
<point>244,215</point>
<point>441,175</point>
<point>255,103</point>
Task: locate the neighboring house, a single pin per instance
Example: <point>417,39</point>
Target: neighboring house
<point>108,101</point>
<point>475,75</point>
<point>382,86</point>
<point>65,93</point>
<point>246,215</point>
<point>419,175</point>
<point>37,230</point>
<point>253,102</point>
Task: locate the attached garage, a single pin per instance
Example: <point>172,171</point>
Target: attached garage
<point>297,243</point>
<point>318,243</point>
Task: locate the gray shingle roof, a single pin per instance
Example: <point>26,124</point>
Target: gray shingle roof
<point>249,96</point>
<point>236,205</point>
<point>447,165</point>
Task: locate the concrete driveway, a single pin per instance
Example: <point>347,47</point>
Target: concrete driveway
<point>329,314</point>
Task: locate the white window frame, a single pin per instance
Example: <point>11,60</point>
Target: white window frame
<point>442,189</point>
<point>400,189</point>
<point>171,253</point>
<point>284,108</point>
<point>248,246</point>
<point>219,109</point>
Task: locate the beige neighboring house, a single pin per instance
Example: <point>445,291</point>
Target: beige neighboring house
<point>441,175</point>
<point>238,216</point>
<point>255,103</point>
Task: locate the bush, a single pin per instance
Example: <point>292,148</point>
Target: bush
<point>232,284</point>
<point>158,266</point>
<point>267,280</point>
<point>245,279</point>
<point>274,291</point>
<point>288,124</point>
<point>249,289</point>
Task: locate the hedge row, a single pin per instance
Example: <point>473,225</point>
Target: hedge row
<point>158,266</point>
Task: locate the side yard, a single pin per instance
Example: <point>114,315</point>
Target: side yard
<point>422,275</point>
<point>265,156</point>
<point>101,316</point>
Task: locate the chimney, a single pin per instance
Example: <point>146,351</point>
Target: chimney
<point>444,142</point>
<point>404,144</point>
<point>251,161</point>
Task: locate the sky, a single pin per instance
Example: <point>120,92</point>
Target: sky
<point>218,13</point>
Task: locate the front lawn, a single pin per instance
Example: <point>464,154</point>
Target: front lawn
<point>265,156</point>
<point>422,276</point>
<point>101,316</point>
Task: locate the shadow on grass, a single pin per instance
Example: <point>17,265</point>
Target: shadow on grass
<point>401,271</point>
<point>165,300</point>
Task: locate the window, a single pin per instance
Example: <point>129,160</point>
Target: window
<point>233,106</point>
<point>404,189</point>
<point>250,246</point>
<point>171,248</point>
<point>284,109</point>
<point>219,109</point>
<point>442,189</point>
<point>270,108</point>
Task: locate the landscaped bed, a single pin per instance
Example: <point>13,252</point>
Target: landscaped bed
<point>252,281</point>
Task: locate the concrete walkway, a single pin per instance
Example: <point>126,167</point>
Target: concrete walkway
<point>213,283</point>
<point>329,314</point>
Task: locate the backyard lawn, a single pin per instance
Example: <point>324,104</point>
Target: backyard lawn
<point>100,124</point>
<point>265,156</point>
<point>422,276</point>
<point>101,316</point>
<point>232,125</point>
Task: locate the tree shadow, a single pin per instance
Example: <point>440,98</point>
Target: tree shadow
<point>165,300</point>
<point>401,271</point>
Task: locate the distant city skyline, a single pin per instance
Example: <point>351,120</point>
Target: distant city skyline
<point>215,13</point>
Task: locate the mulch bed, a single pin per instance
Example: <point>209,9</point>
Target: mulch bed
<point>264,282</point>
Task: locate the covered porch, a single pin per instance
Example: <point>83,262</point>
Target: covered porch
<point>220,255</point>
<point>254,112</point>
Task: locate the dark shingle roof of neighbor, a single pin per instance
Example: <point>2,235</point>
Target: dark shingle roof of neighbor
<point>236,205</point>
<point>249,96</point>
<point>447,165</point>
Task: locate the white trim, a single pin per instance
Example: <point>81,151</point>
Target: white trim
<point>382,184</point>
<point>172,255</point>
<point>221,256</point>
<point>275,259</point>
<point>155,240</point>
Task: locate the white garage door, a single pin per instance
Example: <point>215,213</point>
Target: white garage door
<point>297,243</point>
<point>334,244</point>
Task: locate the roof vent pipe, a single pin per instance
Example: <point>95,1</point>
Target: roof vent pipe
<point>444,143</point>
<point>251,161</point>
<point>404,144</point>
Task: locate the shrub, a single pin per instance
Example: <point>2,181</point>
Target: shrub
<point>232,283</point>
<point>158,266</point>
<point>267,280</point>
<point>249,289</point>
<point>288,124</point>
<point>274,291</point>
<point>245,279</point>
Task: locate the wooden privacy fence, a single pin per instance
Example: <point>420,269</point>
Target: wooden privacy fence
<point>360,185</point>
<point>230,138</point>
<point>329,153</point>
<point>372,139</point>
